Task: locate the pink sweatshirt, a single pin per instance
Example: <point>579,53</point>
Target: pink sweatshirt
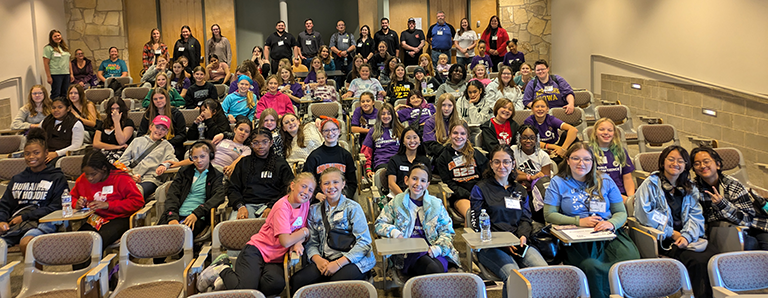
<point>280,102</point>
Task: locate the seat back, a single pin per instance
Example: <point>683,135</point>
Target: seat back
<point>221,89</point>
<point>649,278</point>
<point>409,70</point>
<point>158,241</point>
<point>122,80</point>
<point>71,166</point>
<point>586,136</point>
<point>401,102</point>
<point>739,271</point>
<point>460,285</point>
<point>328,109</point>
<point>189,116</point>
<point>554,281</point>
<point>9,167</point>
<point>97,95</point>
<point>647,162</point>
<point>58,249</point>
<point>233,235</point>
<point>346,289</point>
<point>230,294</point>
<point>136,118</point>
<point>620,114</point>
<point>11,143</point>
<point>656,135</point>
<point>733,163</point>
<point>575,119</point>
<point>521,115</point>
<point>135,93</point>
<point>380,179</point>
<point>3,252</point>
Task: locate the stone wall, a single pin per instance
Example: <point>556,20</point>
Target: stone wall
<point>94,26</point>
<point>741,121</point>
<point>530,21</point>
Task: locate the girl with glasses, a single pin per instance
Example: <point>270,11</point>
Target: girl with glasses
<point>330,154</point>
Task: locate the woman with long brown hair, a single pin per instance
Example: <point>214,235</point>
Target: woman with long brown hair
<point>56,63</point>
<point>153,48</point>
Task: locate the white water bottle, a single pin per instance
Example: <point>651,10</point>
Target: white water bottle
<point>485,226</point>
<point>66,204</point>
<point>201,130</point>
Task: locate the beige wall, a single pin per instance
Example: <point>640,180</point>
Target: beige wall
<point>714,41</point>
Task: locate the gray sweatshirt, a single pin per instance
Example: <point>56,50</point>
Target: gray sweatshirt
<point>146,168</point>
<point>24,119</point>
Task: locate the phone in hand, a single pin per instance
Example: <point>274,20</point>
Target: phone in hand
<point>520,250</point>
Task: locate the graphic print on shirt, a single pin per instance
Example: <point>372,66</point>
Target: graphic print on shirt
<point>31,192</point>
<point>381,142</point>
<point>339,166</point>
<point>549,135</point>
<point>401,91</point>
<point>465,172</point>
<point>578,197</point>
<point>550,93</point>
<point>504,138</point>
<point>203,93</point>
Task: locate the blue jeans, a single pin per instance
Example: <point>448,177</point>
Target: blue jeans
<point>148,189</point>
<point>502,264</point>
<point>463,61</point>
<point>42,229</point>
<point>436,56</point>
<point>252,208</point>
<point>59,85</point>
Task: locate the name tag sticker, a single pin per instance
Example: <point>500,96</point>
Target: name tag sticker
<point>512,203</point>
<point>338,216</point>
<point>56,54</point>
<point>280,43</point>
<point>495,38</point>
<point>458,160</point>
<point>440,32</point>
<point>659,217</point>
<point>371,121</point>
<point>595,206</point>
<point>404,168</point>
<point>107,189</point>
<point>308,42</point>
<point>181,49</point>
<point>158,52</point>
<point>44,184</point>
<point>345,40</point>
<point>602,160</point>
<point>549,88</point>
<point>359,44</point>
<point>297,223</point>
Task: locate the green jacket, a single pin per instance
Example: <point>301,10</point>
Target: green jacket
<point>176,99</point>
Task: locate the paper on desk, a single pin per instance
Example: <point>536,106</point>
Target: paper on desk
<point>585,234</point>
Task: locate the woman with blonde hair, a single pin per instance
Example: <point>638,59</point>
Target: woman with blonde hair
<point>32,114</point>
<point>436,133</point>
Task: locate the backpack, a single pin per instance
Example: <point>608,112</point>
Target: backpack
<point>551,77</point>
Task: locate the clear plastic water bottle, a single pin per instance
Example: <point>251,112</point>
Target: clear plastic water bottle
<point>423,86</point>
<point>66,204</point>
<point>485,226</point>
<point>200,130</point>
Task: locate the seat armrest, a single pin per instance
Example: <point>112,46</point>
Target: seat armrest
<point>445,189</point>
<point>646,243</point>
<point>204,252</point>
<point>651,120</point>
<point>720,292</point>
<point>633,223</point>
<point>96,279</point>
<point>139,219</point>
<point>640,174</point>
<point>191,273</point>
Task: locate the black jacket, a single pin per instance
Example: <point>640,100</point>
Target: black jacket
<point>490,140</point>
<point>182,184</point>
<point>253,185</point>
<point>488,194</point>
<point>42,189</point>
<point>213,126</point>
<point>460,179</point>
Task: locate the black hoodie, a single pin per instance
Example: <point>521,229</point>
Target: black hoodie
<point>42,189</point>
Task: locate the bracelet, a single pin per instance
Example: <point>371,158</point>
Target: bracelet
<point>546,146</point>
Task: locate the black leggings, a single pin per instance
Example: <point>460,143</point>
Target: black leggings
<point>426,265</point>
<point>311,275</point>
<point>110,232</point>
<point>254,274</point>
<point>696,263</point>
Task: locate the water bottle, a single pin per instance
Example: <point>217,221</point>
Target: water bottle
<point>66,204</point>
<point>423,86</point>
<point>485,226</point>
<point>200,130</point>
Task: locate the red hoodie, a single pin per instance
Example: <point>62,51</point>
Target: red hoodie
<point>119,190</point>
<point>280,102</point>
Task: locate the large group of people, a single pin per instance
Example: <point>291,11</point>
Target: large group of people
<point>251,141</point>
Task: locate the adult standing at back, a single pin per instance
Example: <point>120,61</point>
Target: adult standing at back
<point>412,41</point>
<point>56,62</point>
<point>440,36</point>
<point>465,42</point>
<point>218,45</point>
<point>189,47</point>
<point>310,42</point>
<point>153,49</point>
<point>388,36</point>
<point>279,45</point>
<point>343,48</point>
<point>496,38</point>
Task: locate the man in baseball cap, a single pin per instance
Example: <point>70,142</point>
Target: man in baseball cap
<point>412,41</point>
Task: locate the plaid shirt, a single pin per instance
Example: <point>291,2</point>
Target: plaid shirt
<point>737,207</point>
<point>148,55</point>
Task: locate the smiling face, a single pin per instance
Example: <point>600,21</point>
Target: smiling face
<point>241,132</point>
<point>216,30</point>
<point>705,166</point>
<point>411,25</point>
<point>385,24</point>
<point>458,137</point>
<point>580,162</point>
<point>185,33</point>
<point>528,140</point>
<point>480,71</point>
<point>34,156</point>
<point>301,191</point>
<point>424,61</point>
<point>506,75</point>
<point>447,108</point>
<point>418,76</point>
<point>113,54</point>
<point>604,133</point>
<point>525,70</point>
<point>280,27</point>
<point>324,53</point>
<point>441,18</point>
<point>199,77</point>
<point>309,24</point>
<point>417,183</point>
<point>411,140</point>
<point>79,55</point>
<point>178,69</point>
<point>540,109</point>
<point>56,37</point>
<point>322,79</point>
<point>502,164</point>
<point>285,74</point>
<point>674,165</point>
<point>494,22</point>
<point>365,72</point>
<point>272,85</point>
<point>161,81</point>
<point>382,48</point>
<point>330,134</point>
<point>415,100</point>
<point>157,132</point>
<point>74,95</point>
<point>341,26</point>
<point>512,47</point>
<point>364,31</point>
<point>332,184</point>
<point>400,72</point>
<point>261,145</point>
<point>159,100</point>
<point>290,124</point>
<point>201,158</point>
<point>270,122</point>
<point>59,110</point>
<point>358,62</point>
<point>542,71</point>
<point>316,64</point>
<point>366,103</point>
<point>457,74</point>
<point>505,112</point>
<point>156,35</point>
<point>386,117</point>
<point>243,86</point>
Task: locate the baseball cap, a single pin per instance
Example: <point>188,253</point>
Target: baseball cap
<point>162,120</point>
<point>411,20</point>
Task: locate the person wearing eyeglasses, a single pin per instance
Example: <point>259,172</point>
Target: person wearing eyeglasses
<point>669,201</point>
<point>581,195</point>
<point>330,154</point>
<point>259,179</point>
<point>723,198</point>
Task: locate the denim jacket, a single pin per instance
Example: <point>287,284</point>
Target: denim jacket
<point>352,219</point>
<point>400,214</point>
<point>650,196</point>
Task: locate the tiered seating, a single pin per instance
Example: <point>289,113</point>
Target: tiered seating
<point>735,272</point>
<point>460,285</point>
<point>550,281</point>
<point>653,137</point>
<point>649,278</point>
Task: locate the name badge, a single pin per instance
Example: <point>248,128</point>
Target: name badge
<point>181,49</point>
<point>297,223</point>
<point>659,217</point>
<point>494,38</point>
<point>359,44</point>
<point>549,88</point>
<point>107,189</point>
<point>308,42</point>
<point>224,145</point>
<point>345,40</point>
<point>440,32</point>
<point>280,43</point>
<point>404,168</point>
<point>371,121</point>
<point>338,216</point>
<point>44,184</point>
<point>602,160</point>
<point>512,203</point>
<point>458,160</point>
<point>595,206</point>
<point>56,54</point>
<point>158,52</point>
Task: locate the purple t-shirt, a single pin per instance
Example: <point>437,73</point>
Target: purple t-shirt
<point>510,58</point>
<point>554,91</point>
<point>429,129</point>
<point>368,119</point>
<point>549,131</point>
<point>311,77</point>
<point>410,115</point>
<point>233,87</point>
<point>184,85</point>
<point>418,232</point>
<point>485,60</point>
<point>611,166</point>
<point>296,89</point>
<point>384,147</point>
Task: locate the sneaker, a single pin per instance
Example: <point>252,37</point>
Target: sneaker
<point>218,285</point>
<point>208,276</point>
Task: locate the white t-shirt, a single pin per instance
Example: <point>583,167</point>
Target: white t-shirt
<point>531,164</point>
<point>465,40</point>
